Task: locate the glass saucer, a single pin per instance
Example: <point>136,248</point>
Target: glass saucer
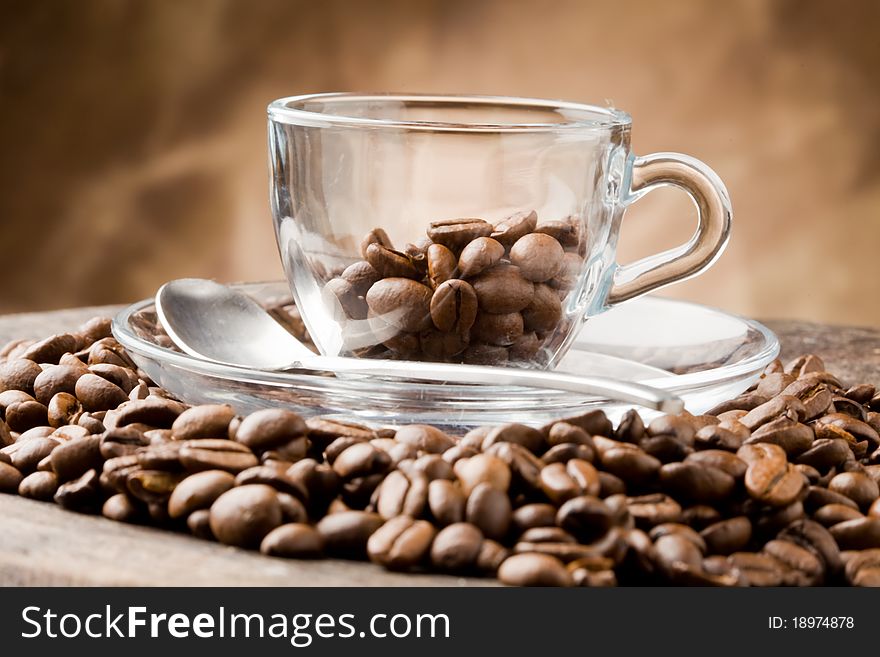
<point>702,354</point>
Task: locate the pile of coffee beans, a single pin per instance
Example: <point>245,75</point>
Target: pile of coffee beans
<point>469,292</point>
<point>778,486</point>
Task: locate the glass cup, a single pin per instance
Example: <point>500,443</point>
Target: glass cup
<point>467,228</point>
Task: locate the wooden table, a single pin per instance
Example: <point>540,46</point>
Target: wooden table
<point>41,544</point>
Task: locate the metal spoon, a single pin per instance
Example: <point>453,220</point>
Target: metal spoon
<point>217,323</point>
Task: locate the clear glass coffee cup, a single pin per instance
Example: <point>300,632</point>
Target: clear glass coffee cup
<point>468,229</point>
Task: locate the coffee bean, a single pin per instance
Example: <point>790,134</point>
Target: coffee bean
<point>98,394</point>
<point>544,311</point>
<point>770,479</point>
<point>361,275</point>
<point>793,437</point>
<point>529,516</point>
<point>63,409</point>
<point>425,438</point>
<point>122,441</point>
<point>346,533</point>
<point>810,570</point>
<point>212,454</point>
<point>758,569</point>
<point>509,230</point>
<point>26,415</point>
<point>831,514</point>
<point>586,517</point>
<point>434,467</point>
<point>860,488</point>
<point>653,509</point>
<point>401,302</point>
<point>501,330</point>
<point>243,515</point>
<point>454,234</point>
<point>39,486</point>
<point>122,508</point>
<point>696,482</point>
<point>91,423</point>
<point>479,255</point>
<point>490,557</point>
<point>575,478</point>
<point>401,543</point>
<point>10,478</point>
<point>26,453</point>
<point>482,468</point>
<point>727,536</point>
<point>402,494</point>
<point>519,434</point>
<point>858,429</point>
<point>72,458</point>
<point>488,508</point>
<point>361,460</point>
<point>19,374</point>
<point>816,538</point>
<point>784,405</point>
<point>630,463</point>
<point>456,547</point>
<point>388,263</point>
<point>826,453</point>
<point>198,491</point>
<point>453,307</point>
<point>503,289</point>
<point>80,494</point>
<point>534,570</point>
<point>55,379</point>
<point>725,461</point>
<point>206,421</point>
<point>152,486</point>
<point>858,534</point>
<point>157,412</point>
<point>294,541</point>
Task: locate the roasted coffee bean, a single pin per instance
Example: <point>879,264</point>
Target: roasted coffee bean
<point>546,535</point>
<point>490,557</point>
<point>453,307</point>
<point>161,456</point>
<point>696,482</point>
<point>654,509</point>
<point>672,425</point>
<point>123,377</point>
<point>719,437</point>
<point>454,234</point>
<point>831,514</point>
<point>425,438</point>
<point>564,452</point>
<point>346,533</point>
<point>402,494</point>
<point>152,486</point>
<point>294,541</point>
<point>361,460</point>
<point>434,467</point>
<point>157,412</point>
<point>745,402</point>
<point>825,453</point>
<point>509,230</point>
<point>401,543</point>
<point>80,494</point>
<point>563,432</point>
<point>482,468</point>
<point>793,437</point>
<point>98,394</point>
<point>727,536</point>
<point>561,482</point>
<point>818,497</point>
<point>858,534</point>
<point>63,408</point>
<point>361,275</point>
<point>375,236</point>
<point>122,508</point>
<point>858,429</point>
<point>665,448</point>
<point>51,349</point>
<point>501,330</point>
<point>630,463</point>
<point>863,568</point>
<point>19,374</point>
<point>519,434</point>
<point>292,509</point>
<point>503,289</point>
<point>773,384</point>
<point>538,256</point>
<point>808,567</point>
<point>206,421</point>
<point>91,423</point>
<point>39,486</point>
<point>26,415</point>
<point>212,454</point>
<point>72,458</point>
<point>610,484</point>
<point>770,478</point>
<point>488,508</point>
<point>783,405</point>
<point>456,547</point>
<point>199,524</point>
<point>725,461</point>
<point>479,255</point>
<point>874,511</point>
<point>631,428</point>
<point>6,439</point>
<point>544,312</point>
<point>586,517</point>
<point>674,549</point>
<point>10,478</point>
<point>700,516</point>
<point>122,441</point>
<point>757,569</point>
<point>55,379</point>
<point>813,536</point>
<point>442,264</point>
<point>859,487</point>
<point>243,515</point>
<point>26,453</point>
<point>531,569</point>
<point>401,302</point>
<point>388,263</point>
<point>198,491</point>
<point>533,515</point>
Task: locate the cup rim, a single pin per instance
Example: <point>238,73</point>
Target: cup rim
<point>609,118</point>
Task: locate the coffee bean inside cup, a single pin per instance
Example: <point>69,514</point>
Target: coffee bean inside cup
<point>469,292</point>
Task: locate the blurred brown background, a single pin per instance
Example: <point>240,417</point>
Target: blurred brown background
<point>132,134</point>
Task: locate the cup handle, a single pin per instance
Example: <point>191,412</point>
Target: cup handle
<point>713,230</point>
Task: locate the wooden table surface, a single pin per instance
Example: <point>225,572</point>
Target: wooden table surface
<point>41,544</point>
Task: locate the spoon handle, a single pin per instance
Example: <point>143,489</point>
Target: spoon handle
<point>616,389</point>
